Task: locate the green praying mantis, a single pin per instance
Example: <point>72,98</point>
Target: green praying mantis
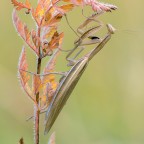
<point>71,78</point>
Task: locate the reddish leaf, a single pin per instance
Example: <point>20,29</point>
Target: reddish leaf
<point>23,75</point>
<point>39,10</point>
<point>64,8</point>
<point>23,67</point>
<point>96,6</point>
<point>52,139</point>
<point>47,16</point>
<point>35,39</point>
<point>50,68</point>
<point>53,21</point>
<point>20,5</point>
<point>36,83</point>
<point>51,64</point>
<point>42,8</point>
<point>23,31</point>
<point>27,33</point>
<point>56,40</point>
<point>48,32</point>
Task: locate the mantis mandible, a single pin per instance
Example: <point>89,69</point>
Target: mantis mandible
<point>68,82</point>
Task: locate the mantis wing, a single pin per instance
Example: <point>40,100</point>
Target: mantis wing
<point>63,92</point>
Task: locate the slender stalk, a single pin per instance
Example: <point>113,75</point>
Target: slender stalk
<point>36,108</point>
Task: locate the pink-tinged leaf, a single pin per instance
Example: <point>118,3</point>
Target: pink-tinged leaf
<point>52,139</point>
<point>37,83</point>
<point>48,92</point>
<point>64,8</point>
<point>23,32</point>
<point>20,5</point>
<point>35,39</point>
<point>42,7</point>
<point>27,33</point>
<point>56,40</point>
<point>99,7</point>
<point>49,81</point>
<point>76,2</point>
<point>50,66</point>
<point>53,21</point>
<point>23,66</point>
<point>96,6</point>
<point>23,74</point>
<point>48,32</point>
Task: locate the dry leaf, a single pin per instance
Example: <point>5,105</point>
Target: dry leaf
<point>53,21</point>
<point>20,5</point>
<point>52,139</point>
<point>37,83</point>
<point>23,31</point>
<point>22,71</point>
<point>50,79</point>
<point>65,8</point>
<point>56,40</point>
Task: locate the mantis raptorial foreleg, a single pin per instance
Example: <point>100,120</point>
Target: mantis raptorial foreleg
<point>86,34</point>
<point>92,18</point>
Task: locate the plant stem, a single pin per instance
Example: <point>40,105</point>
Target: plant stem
<point>36,108</point>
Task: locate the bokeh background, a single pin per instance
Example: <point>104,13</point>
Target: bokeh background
<point>106,107</point>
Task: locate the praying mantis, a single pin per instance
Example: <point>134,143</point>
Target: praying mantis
<point>69,81</point>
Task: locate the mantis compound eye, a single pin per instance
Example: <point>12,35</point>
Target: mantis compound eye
<point>93,37</point>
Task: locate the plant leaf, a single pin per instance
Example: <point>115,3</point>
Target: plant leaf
<point>37,83</point>
<point>64,8</point>
<point>49,81</point>
<point>53,21</point>
<point>56,40</point>
<point>96,6</point>
<point>52,139</point>
<point>23,31</point>
<point>20,5</point>
<point>48,32</point>
<point>22,72</point>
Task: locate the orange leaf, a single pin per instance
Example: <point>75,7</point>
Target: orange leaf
<point>27,33</point>
<point>48,32</point>
<point>66,0</point>
<point>36,83</point>
<point>56,40</point>
<point>50,68</point>
<point>42,7</point>
<point>53,21</point>
<point>48,16</point>
<point>65,8</point>
<point>23,31</point>
<point>28,3</point>
<point>52,139</point>
<point>20,5</point>
<point>49,81</point>
<point>39,10</point>
<point>23,75</point>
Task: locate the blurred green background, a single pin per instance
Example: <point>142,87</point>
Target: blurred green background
<point>106,107</point>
